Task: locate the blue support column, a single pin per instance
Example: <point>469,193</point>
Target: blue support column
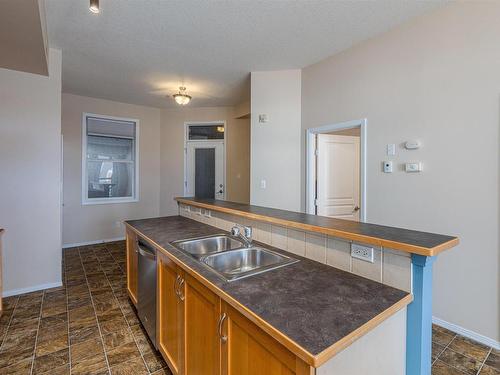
<point>419,320</point>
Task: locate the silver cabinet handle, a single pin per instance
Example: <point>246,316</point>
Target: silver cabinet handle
<point>181,283</point>
<point>223,337</point>
<point>146,254</point>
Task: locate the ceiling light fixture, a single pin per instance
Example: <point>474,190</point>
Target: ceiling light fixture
<point>182,98</point>
<point>94,6</point>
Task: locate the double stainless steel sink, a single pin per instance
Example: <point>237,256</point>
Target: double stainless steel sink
<point>230,258</point>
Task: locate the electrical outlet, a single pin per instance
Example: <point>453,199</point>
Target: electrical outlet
<point>362,252</point>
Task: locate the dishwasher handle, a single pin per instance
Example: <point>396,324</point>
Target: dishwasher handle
<point>145,251</point>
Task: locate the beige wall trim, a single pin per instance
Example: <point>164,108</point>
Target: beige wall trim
<point>86,243</point>
<point>34,288</point>
<point>467,333</point>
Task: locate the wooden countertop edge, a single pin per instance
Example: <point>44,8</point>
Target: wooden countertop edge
<point>294,347</point>
<point>393,245</point>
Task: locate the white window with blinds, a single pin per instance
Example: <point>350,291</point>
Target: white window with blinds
<point>109,160</point>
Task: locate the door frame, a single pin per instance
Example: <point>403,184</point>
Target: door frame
<point>311,162</point>
<point>187,124</point>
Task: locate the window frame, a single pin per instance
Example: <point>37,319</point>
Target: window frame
<point>135,184</point>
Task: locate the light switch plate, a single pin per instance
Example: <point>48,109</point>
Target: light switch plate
<point>391,149</point>
<point>362,252</point>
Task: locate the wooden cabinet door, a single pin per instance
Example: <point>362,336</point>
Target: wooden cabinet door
<point>132,265</point>
<point>201,340</point>
<point>248,350</point>
<point>170,308</point>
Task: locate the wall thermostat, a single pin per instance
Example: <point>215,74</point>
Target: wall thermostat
<point>413,167</point>
<point>412,145</point>
<point>387,166</point>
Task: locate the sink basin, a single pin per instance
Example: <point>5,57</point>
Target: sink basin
<point>240,263</point>
<point>200,246</point>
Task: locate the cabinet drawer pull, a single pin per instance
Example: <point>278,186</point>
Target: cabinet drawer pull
<point>223,337</point>
<point>181,295</point>
<point>176,285</point>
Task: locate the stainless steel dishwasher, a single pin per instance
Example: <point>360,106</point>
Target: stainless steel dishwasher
<point>146,305</point>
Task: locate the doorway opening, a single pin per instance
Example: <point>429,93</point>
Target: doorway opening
<point>336,173</point>
<point>205,159</point>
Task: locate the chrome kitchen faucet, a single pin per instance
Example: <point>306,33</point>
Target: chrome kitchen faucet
<point>245,235</point>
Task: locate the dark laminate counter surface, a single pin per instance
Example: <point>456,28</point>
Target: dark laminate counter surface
<point>314,305</point>
<point>412,241</point>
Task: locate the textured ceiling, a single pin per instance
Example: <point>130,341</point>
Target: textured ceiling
<point>139,51</point>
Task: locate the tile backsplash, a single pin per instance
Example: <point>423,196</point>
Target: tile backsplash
<point>390,267</point>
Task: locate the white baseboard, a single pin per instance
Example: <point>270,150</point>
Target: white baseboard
<point>15,292</point>
<point>467,333</point>
<point>68,245</point>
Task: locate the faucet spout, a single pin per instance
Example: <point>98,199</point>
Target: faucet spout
<point>243,232</point>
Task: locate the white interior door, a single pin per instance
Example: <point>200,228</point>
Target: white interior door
<point>338,175</point>
<point>205,172</point>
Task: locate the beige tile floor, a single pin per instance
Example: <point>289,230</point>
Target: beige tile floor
<point>88,326</point>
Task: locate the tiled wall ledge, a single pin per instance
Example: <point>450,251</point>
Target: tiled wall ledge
<point>390,267</point>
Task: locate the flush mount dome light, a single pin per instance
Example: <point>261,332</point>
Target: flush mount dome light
<point>182,98</point>
<point>94,6</point>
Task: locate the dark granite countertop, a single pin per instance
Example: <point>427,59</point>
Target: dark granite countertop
<point>313,304</point>
<point>412,241</point>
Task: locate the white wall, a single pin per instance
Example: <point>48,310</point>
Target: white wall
<point>276,145</point>
<point>82,224</point>
<point>30,156</point>
<point>435,79</point>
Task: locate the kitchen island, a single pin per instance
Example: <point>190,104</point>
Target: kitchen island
<point>310,317</point>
